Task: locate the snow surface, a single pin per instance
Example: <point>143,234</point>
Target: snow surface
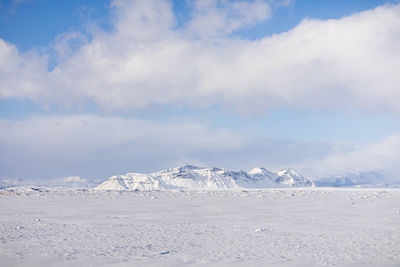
<point>270,227</point>
<point>192,177</point>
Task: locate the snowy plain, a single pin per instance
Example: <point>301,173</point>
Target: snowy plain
<point>269,227</point>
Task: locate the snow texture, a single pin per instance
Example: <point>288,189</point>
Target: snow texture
<point>270,227</point>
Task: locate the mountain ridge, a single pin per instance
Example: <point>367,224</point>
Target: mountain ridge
<point>193,177</point>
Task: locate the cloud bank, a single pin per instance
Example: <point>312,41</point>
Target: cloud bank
<point>380,157</point>
<point>93,146</point>
<point>147,60</point>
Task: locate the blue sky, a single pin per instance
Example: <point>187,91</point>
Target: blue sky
<point>35,23</point>
<point>305,84</point>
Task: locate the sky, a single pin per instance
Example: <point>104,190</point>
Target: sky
<point>98,88</point>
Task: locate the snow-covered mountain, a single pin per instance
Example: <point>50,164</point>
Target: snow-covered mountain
<point>359,179</point>
<point>292,178</point>
<point>192,177</point>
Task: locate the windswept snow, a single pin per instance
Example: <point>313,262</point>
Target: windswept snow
<point>192,177</point>
<point>270,227</point>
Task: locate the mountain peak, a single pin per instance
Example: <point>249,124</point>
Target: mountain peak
<point>257,170</point>
<point>188,167</point>
<point>291,177</point>
<point>288,171</point>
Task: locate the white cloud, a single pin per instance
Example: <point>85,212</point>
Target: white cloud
<point>145,61</point>
<point>90,145</point>
<point>66,44</point>
<point>142,20</point>
<point>23,75</point>
<point>381,156</point>
<point>86,132</point>
<point>96,147</point>
<point>217,18</point>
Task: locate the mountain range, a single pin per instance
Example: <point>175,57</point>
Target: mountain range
<point>192,177</point>
<point>199,178</point>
